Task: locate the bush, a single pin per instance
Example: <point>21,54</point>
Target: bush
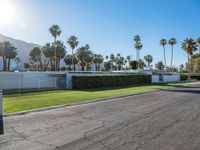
<point>184,77</point>
<point>96,81</point>
<point>197,77</point>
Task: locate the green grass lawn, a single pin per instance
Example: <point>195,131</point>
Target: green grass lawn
<point>27,101</point>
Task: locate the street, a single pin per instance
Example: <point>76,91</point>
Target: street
<point>162,120</point>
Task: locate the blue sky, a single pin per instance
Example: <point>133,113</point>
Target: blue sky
<point>109,25</point>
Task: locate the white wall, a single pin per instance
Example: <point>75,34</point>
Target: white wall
<point>154,78</point>
<point>31,80</point>
<point>166,78</point>
<point>171,78</point>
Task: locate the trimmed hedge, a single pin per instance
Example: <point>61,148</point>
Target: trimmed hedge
<point>96,81</point>
<point>184,77</point>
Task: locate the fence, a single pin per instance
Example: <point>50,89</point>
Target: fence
<point>30,81</point>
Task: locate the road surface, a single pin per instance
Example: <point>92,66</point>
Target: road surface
<point>163,120</point>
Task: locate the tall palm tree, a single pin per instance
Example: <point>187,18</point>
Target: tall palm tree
<point>189,46</point>
<point>138,46</point>
<point>163,42</point>
<point>73,43</point>
<point>129,61</point>
<point>172,42</point>
<point>137,38</point>
<point>198,42</point>
<point>149,60</point>
<point>55,32</point>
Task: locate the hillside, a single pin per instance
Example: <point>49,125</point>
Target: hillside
<point>23,49</point>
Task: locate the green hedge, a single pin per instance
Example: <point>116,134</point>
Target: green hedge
<point>96,81</point>
<point>184,77</point>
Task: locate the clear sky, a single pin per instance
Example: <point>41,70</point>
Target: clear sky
<point>107,25</point>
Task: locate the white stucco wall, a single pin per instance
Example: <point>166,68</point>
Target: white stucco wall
<point>166,78</point>
<point>30,80</point>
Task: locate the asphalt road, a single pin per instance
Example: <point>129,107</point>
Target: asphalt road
<point>164,120</point>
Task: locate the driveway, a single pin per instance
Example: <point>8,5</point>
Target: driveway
<point>163,120</point>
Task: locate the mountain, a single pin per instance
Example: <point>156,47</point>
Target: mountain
<point>23,49</point>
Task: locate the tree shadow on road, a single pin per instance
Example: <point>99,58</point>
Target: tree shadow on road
<point>185,90</point>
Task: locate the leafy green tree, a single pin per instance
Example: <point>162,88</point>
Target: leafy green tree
<point>73,43</point>
<point>172,42</point>
<point>55,32</point>
<point>163,42</point>
<point>189,46</point>
<point>149,60</point>
<point>160,66</point>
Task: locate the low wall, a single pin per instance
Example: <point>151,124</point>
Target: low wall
<point>165,78</point>
<point>12,81</point>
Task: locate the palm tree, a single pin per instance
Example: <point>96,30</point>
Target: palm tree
<point>73,43</point>
<point>55,32</point>
<point>198,42</point>
<point>163,42</point>
<point>189,46</point>
<point>138,46</point>
<point>97,60</point>
<point>172,42</point>
<point>7,52</point>
<point>129,60</point>
<point>84,55</point>
<point>137,38</point>
<point>112,60</point>
<point>149,60</point>
<point>160,66</point>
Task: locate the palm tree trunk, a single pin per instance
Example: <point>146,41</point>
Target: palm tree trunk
<point>172,55</point>
<point>74,67</point>
<point>55,54</point>
<point>8,64</point>
<point>189,69</point>
<point>164,56</point>
<point>73,59</point>
<point>4,63</point>
<point>96,67</point>
<point>83,68</point>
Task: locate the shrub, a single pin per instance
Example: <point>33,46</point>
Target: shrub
<point>184,77</point>
<point>197,77</point>
<point>96,81</point>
